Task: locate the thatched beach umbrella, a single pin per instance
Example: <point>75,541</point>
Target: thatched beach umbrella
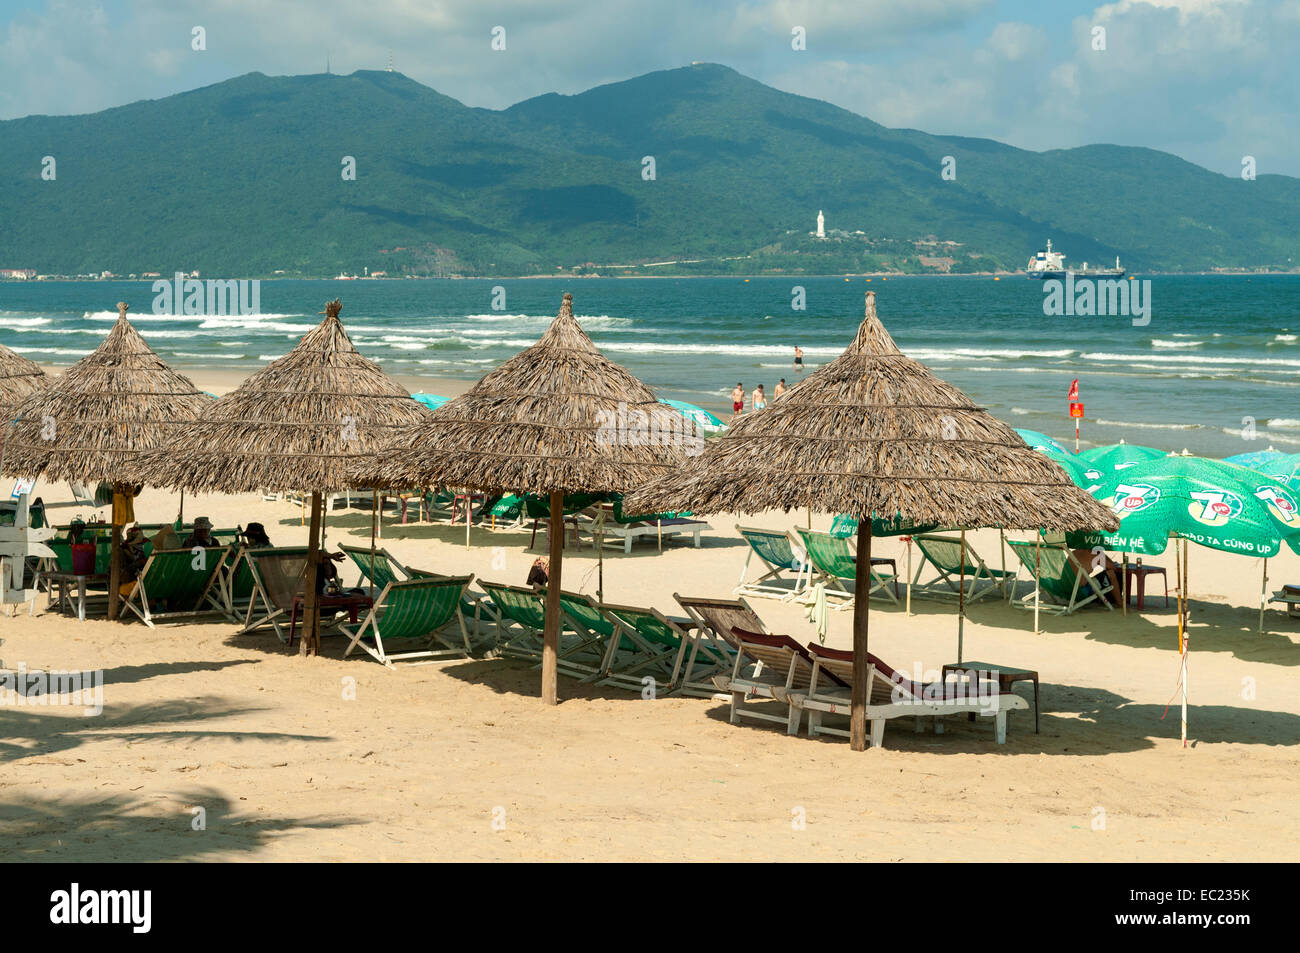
<point>18,378</point>
<point>93,422</point>
<point>294,425</point>
<point>558,417</point>
<point>875,432</point>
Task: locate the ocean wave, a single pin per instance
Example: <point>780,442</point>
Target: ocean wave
<point>1186,359</point>
<point>1285,338</point>
<point>1157,342</point>
<point>20,324</point>
<point>1020,410</point>
<point>947,354</point>
<point>1146,426</point>
<point>70,352</point>
<point>1287,422</point>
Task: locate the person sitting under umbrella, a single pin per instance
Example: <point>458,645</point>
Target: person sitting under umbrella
<point>202,534</point>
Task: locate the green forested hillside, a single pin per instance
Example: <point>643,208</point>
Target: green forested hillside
<point>243,178</point>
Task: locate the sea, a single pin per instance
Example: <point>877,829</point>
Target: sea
<point>1216,371</point>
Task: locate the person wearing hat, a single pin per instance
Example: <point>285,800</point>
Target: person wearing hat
<point>255,536</point>
<point>202,535</point>
<point>131,560</point>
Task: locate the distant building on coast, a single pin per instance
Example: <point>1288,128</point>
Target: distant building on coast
<point>821,224</point>
<point>17,274</point>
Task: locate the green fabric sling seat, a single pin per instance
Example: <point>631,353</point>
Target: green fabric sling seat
<point>775,550</point>
<point>520,620</point>
<point>944,554</point>
<point>188,581</point>
<point>414,610</point>
<point>1060,577</point>
<point>649,644</point>
<point>832,564</point>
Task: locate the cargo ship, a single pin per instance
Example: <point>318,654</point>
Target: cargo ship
<point>1051,264</point>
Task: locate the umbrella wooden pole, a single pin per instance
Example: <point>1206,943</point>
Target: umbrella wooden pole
<point>551,641</point>
<point>374,518</point>
<point>115,572</point>
<point>310,644</point>
<point>861,617</point>
<point>961,598</point>
<point>469,515</point>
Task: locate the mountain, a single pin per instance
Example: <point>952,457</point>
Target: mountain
<point>243,178</point>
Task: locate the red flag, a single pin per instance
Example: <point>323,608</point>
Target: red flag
<point>1074,390</point>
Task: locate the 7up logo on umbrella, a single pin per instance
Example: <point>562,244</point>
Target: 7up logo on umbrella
<point>1214,507</point>
<point>1133,498</point>
<point>1280,503</point>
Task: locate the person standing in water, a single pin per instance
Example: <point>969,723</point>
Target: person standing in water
<point>780,388</point>
<point>759,400</point>
<point>737,400</point>
<point>798,358</point>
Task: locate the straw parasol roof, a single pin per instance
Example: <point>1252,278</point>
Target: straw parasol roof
<point>294,425</point>
<point>876,432</point>
<point>93,422</point>
<point>558,416</point>
<point>18,378</point>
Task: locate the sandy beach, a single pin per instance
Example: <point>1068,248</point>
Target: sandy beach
<point>339,759</point>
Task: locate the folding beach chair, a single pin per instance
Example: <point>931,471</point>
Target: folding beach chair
<point>278,575</point>
<point>583,653</point>
<point>784,666</point>
<point>833,564</point>
<point>415,610</point>
<point>891,695</point>
<point>776,551</point>
<point>714,619</point>
<point>1061,578</point>
<point>648,645</point>
<point>520,619</point>
<point>383,568</point>
<point>189,582</point>
<point>944,554</point>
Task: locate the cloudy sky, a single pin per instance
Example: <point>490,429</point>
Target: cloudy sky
<point>1209,80</point>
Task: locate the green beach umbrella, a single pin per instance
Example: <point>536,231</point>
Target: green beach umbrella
<point>1120,455</point>
<point>1215,504</point>
<point>1042,442</point>
<point>1084,475</point>
<point>706,421</point>
<point>1285,468</point>
<point>1255,458</point>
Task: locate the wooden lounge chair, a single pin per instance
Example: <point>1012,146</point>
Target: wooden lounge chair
<point>1064,582</point>
<point>891,695</point>
<point>775,550</point>
<point>278,574</point>
<point>647,645</point>
<point>190,583</point>
<point>833,564</point>
<point>619,527</point>
<point>785,667</point>
<point>414,610</point>
<point>944,554</point>
<point>714,619</point>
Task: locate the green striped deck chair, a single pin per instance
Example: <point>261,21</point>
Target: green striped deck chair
<point>476,610</point>
<point>520,619</point>
<point>279,574</point>
<point>585,634</point>
<point>240,584</point>
<point>649,646</point>
<point>187,580</point>
<point>944,554</point>
<point>414,611</point>
<point>832,564</point>
<point>1061,578</point>
<point>784,569</point>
